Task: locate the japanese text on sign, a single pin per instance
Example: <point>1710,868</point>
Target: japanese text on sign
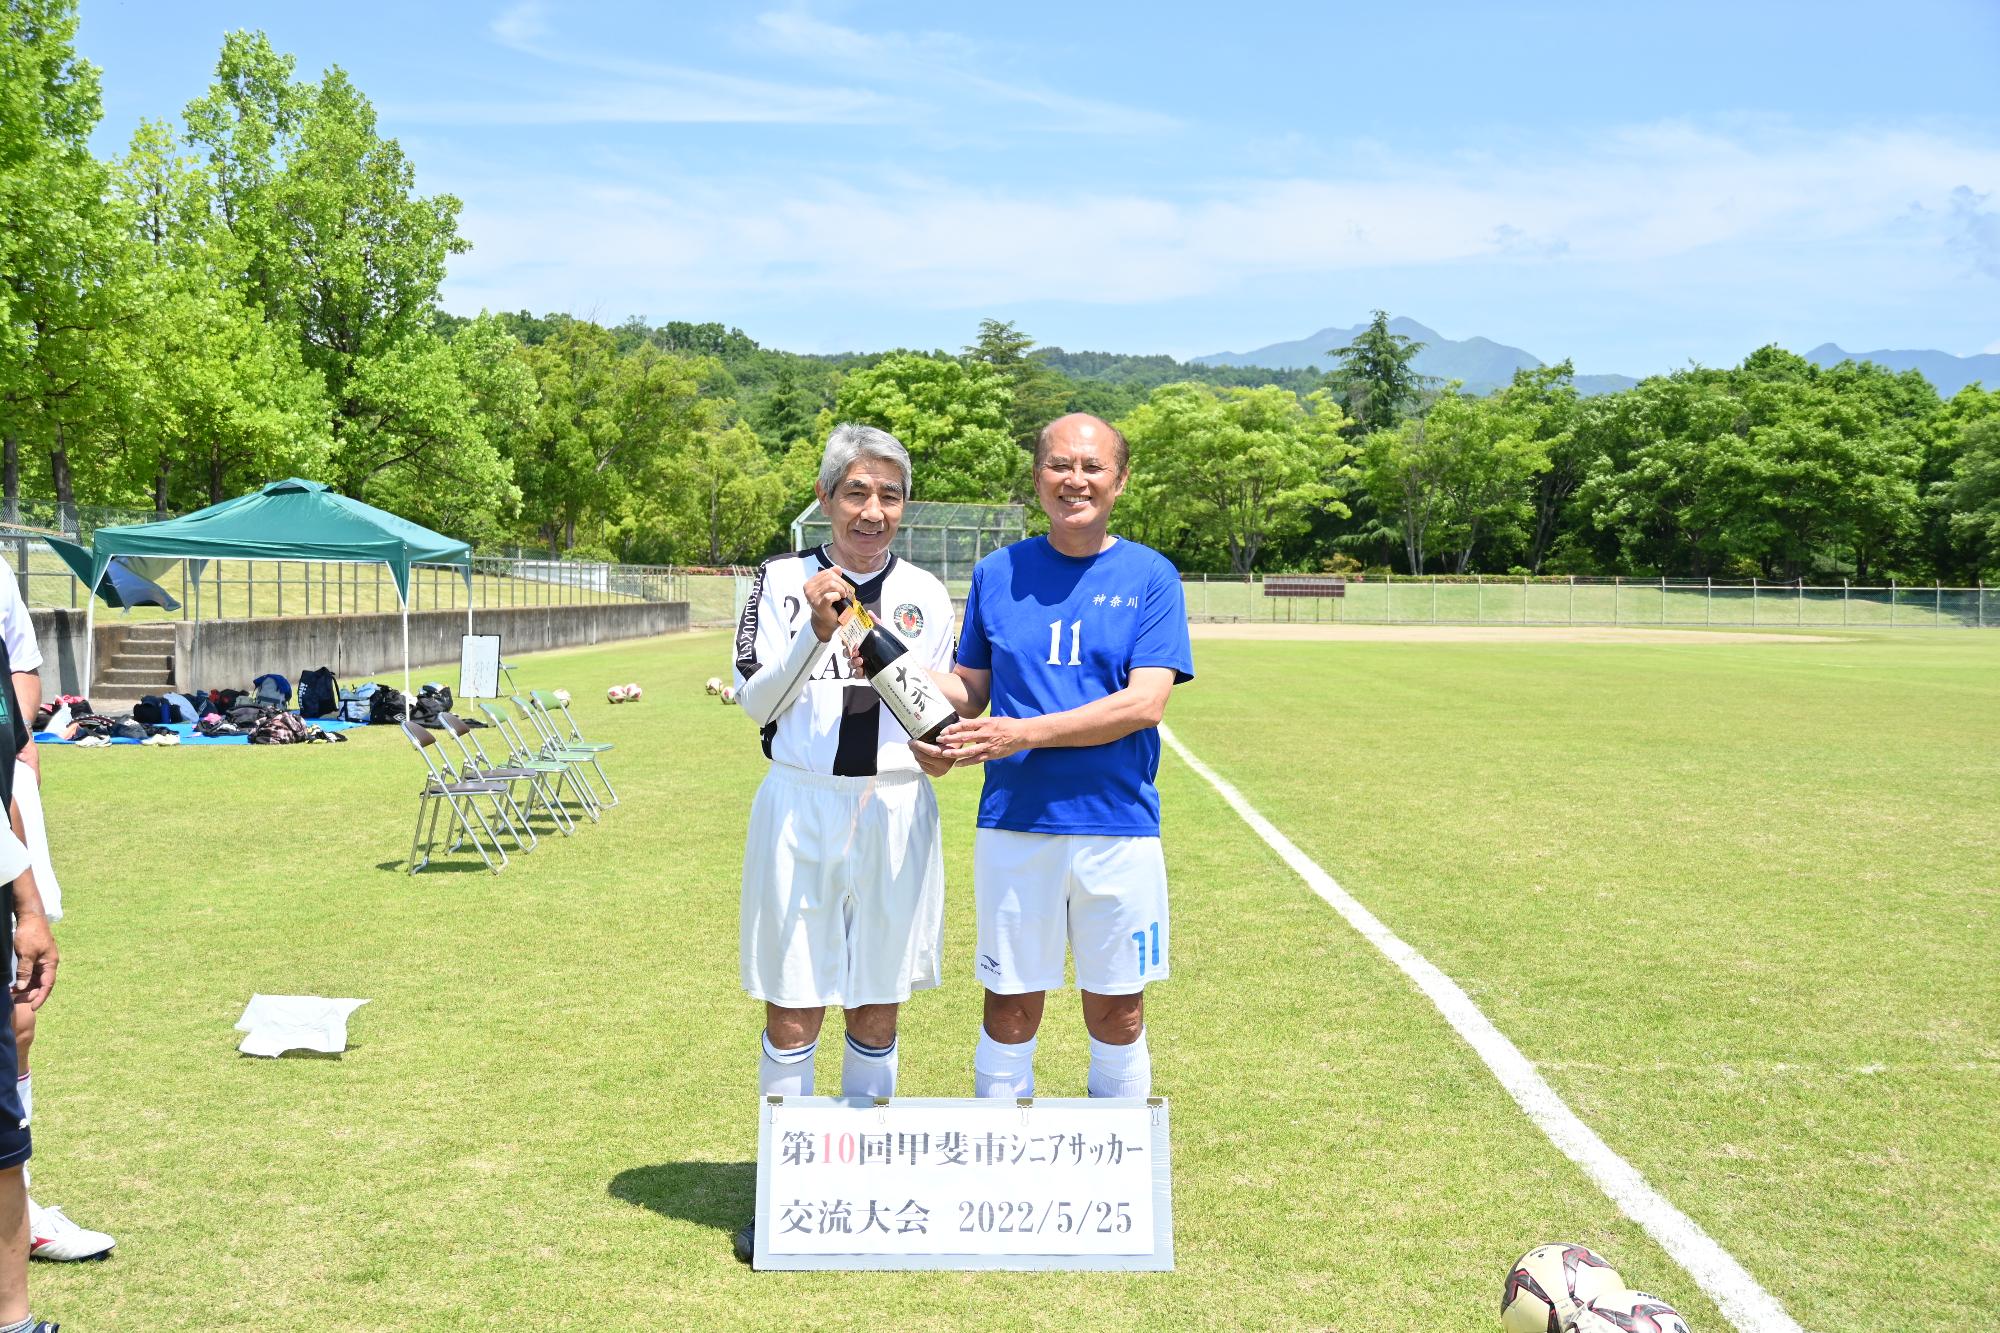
<point>964,1178</point>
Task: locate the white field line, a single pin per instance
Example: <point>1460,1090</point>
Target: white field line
<point>1746,1304</point>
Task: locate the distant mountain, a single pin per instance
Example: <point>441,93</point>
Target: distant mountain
<point>1947,373</point>
<point>1480,363</point>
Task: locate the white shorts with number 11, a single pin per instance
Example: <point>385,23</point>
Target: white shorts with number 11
<point>1105,898</point>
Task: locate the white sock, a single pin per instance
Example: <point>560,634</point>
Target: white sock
<point>868,1071</point>
<point>786,1073</point>
<point>1120,1071</point>
<point>1003,1069</point>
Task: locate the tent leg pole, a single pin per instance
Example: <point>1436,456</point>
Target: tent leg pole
<point>406,651</point>
<point>89,643</point>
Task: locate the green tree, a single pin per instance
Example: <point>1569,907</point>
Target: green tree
<point>1542,404</point>
<point>1236,468</point>
<point>952,417</point>
<point>59,290</point>
<point>604,420</point>
<point>1491,457</point>
<point>216,400</point>
<point>321,224</point>
<point>1969,498</point>
<point>1038,394</point>
<point>719,499</point>
<point>1374,376</point>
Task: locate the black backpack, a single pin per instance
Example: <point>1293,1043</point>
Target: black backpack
<point>248,715</point>
<point>151,710</point>
<point>385,706</point>
<point>319,693</point>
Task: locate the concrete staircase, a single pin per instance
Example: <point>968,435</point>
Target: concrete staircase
<point>140,662</point>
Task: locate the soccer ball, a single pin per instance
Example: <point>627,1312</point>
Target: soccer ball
<point>714,685</point>
<point>562,697</point>
<point>616,694</point>
<point>632,694</point>
<point>1629,1312</point>
<point>1549,1283</point>
<point>727,694</point>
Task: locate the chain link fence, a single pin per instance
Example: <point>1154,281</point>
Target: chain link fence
<point>233,589</point>
<point>1486,600</point>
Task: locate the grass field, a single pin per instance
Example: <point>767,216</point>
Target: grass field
<point>1737,902</point>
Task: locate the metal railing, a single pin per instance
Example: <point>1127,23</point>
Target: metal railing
<point>1502,600</point>
<point>234,589</point>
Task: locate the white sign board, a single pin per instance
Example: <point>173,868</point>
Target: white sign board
<point>964,1183</point>
<point>479,666</point>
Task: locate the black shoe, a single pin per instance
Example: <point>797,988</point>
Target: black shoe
<point>746,1242</point>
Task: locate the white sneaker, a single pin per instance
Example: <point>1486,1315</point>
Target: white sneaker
<point>51,1235</point>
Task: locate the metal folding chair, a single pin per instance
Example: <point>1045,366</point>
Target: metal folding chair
<point>444,789</point>
<point>476,767</point>
<point>543,721</point>
<point>523,755</point>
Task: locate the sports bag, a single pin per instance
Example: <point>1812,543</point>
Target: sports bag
<point>151,710</point>
<point>248,715</point>
<point>356,704</point>
<point>319,693</point>
<point>273,689</point>
<point>385,705</point>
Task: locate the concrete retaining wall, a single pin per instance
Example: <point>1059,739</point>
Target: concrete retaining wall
<point>226,653</point>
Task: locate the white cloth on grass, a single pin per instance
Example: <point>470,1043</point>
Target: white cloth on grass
<point>280,1023</point>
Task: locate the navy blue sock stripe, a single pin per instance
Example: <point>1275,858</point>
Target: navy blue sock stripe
<point>872,1052</point>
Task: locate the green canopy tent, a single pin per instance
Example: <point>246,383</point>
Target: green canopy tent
<point>286,520</point>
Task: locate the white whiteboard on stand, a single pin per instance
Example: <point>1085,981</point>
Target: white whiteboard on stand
<point>479,666</point>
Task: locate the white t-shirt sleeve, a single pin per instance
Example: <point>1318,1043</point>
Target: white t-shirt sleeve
<point>16,628</point>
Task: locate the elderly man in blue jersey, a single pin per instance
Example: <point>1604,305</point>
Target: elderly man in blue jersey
<point>1075,639</point>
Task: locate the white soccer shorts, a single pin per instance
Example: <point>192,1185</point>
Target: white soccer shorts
<point>1105,897</point>
<point>843,889</point>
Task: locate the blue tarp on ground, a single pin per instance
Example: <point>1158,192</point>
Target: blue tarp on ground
<point>186,730</point>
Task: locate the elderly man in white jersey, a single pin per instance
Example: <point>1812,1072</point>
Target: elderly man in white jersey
<point>1076,639</point>
<point>843,875</point>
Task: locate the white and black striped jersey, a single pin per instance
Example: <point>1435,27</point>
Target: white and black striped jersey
<point>816,714</point>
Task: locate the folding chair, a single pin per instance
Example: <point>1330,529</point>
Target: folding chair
<point>478,768</point>
<point>443,788</point>
<point>549,705</point>
<point>521,755</point>
<point>536,708</point>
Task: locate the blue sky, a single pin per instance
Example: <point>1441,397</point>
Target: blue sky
<point>1631,185</point>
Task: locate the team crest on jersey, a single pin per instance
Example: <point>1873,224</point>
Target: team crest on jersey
<point>908,619</point>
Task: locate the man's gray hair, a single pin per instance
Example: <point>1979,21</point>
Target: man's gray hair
<point>850,442</point>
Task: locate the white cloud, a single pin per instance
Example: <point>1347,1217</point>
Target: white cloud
<point>1671,205</point>
<point>947,63</point>
<point>932,82</point>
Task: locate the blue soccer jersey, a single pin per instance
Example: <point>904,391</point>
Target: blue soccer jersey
<point>1057,632</point>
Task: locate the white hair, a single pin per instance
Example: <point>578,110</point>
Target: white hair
<point>850,442</point>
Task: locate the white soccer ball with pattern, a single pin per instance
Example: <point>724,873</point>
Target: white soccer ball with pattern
<point>1548,1285</point>
<point>633,694</point>
<point>728,694</point>
<point>616,694</point>
<point>714,685</point>
<point>1629,1312</point>
<point>562,697</point>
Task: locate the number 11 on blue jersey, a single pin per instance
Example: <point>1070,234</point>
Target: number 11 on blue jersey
<point>1075,643</point>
